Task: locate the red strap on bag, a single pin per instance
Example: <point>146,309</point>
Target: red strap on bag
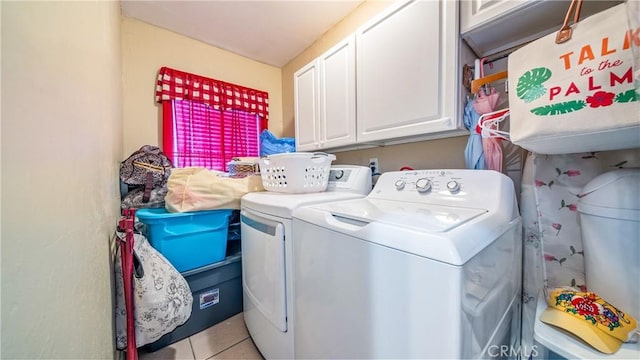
<point>126,252</point>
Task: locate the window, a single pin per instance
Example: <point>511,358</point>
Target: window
<point>207,137</point>
<point>207,122</point>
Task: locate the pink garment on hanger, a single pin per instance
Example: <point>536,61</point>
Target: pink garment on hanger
<point>486,103</point>
<point>493,153</point>
<point>492,146</point>
<point>486,98</point>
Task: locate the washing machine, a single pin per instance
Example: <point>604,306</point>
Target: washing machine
<point>267,238</point>
<point>427,266</point>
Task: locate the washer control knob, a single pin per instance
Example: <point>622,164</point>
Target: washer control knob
<point>453,186</point>
<point>423,185</point>
<point>400,184</point>
<point>339,174</point>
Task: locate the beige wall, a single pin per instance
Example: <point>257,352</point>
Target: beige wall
<point>441,153</point>
<point>433,154</point>
<point>61,145</point>
<point>146,48</point>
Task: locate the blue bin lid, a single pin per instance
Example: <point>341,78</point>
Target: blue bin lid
<point>162,213</point>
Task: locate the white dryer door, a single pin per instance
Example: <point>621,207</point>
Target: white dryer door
<point>263,266</point>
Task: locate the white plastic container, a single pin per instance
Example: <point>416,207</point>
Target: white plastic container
<point>609,210</point>
<point>300,172</point>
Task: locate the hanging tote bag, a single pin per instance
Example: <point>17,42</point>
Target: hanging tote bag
<point>162,299</point>
<point>573,91</point>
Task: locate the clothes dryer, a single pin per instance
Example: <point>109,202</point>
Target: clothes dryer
<point>427,266</point>
<point>267,237</point>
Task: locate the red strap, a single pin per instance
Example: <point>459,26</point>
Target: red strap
<point>126,252</point>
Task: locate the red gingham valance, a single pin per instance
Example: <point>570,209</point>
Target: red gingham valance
<point>178,85</point>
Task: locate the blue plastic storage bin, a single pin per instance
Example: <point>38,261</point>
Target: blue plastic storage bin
<point>188,240</point>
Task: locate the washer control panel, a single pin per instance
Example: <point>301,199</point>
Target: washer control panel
<point>425,181</point>
<point>478,189</point>
<point>452,187</point>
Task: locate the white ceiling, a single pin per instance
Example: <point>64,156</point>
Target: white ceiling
<point>269,31</point>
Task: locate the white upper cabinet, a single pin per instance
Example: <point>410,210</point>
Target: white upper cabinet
<point>491,26</point>
<point>325,106</point>
<point>307,107</point>
<point>338,94</point>
<point>406,72</point>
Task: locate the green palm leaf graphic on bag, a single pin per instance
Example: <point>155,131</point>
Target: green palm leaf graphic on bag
<point>530,86</point>
<point>559,108</point>
<point>627,96</point>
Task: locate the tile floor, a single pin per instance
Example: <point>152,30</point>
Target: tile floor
<point>228,339</point>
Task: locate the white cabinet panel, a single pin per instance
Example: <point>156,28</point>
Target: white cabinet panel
<point>338,95</point>
<point>307,112</point>
<point>406,71</point>
<point>325,112</point>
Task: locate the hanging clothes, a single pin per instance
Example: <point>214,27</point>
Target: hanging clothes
<point>492,147</point>
<point>474,152</point>
<point>485,102</point>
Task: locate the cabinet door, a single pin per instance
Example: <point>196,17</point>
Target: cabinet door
<point>406,71</point>
<point>338,95</point>
<point>307,114</point>
<point>474,13</point>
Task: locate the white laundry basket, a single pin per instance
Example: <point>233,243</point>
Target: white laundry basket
<point>300,172</point>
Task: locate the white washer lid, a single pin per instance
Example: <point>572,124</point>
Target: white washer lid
<point>448,234</point>
<point>282,204</point>
<point>569,346</point>
<point>423,217</point>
